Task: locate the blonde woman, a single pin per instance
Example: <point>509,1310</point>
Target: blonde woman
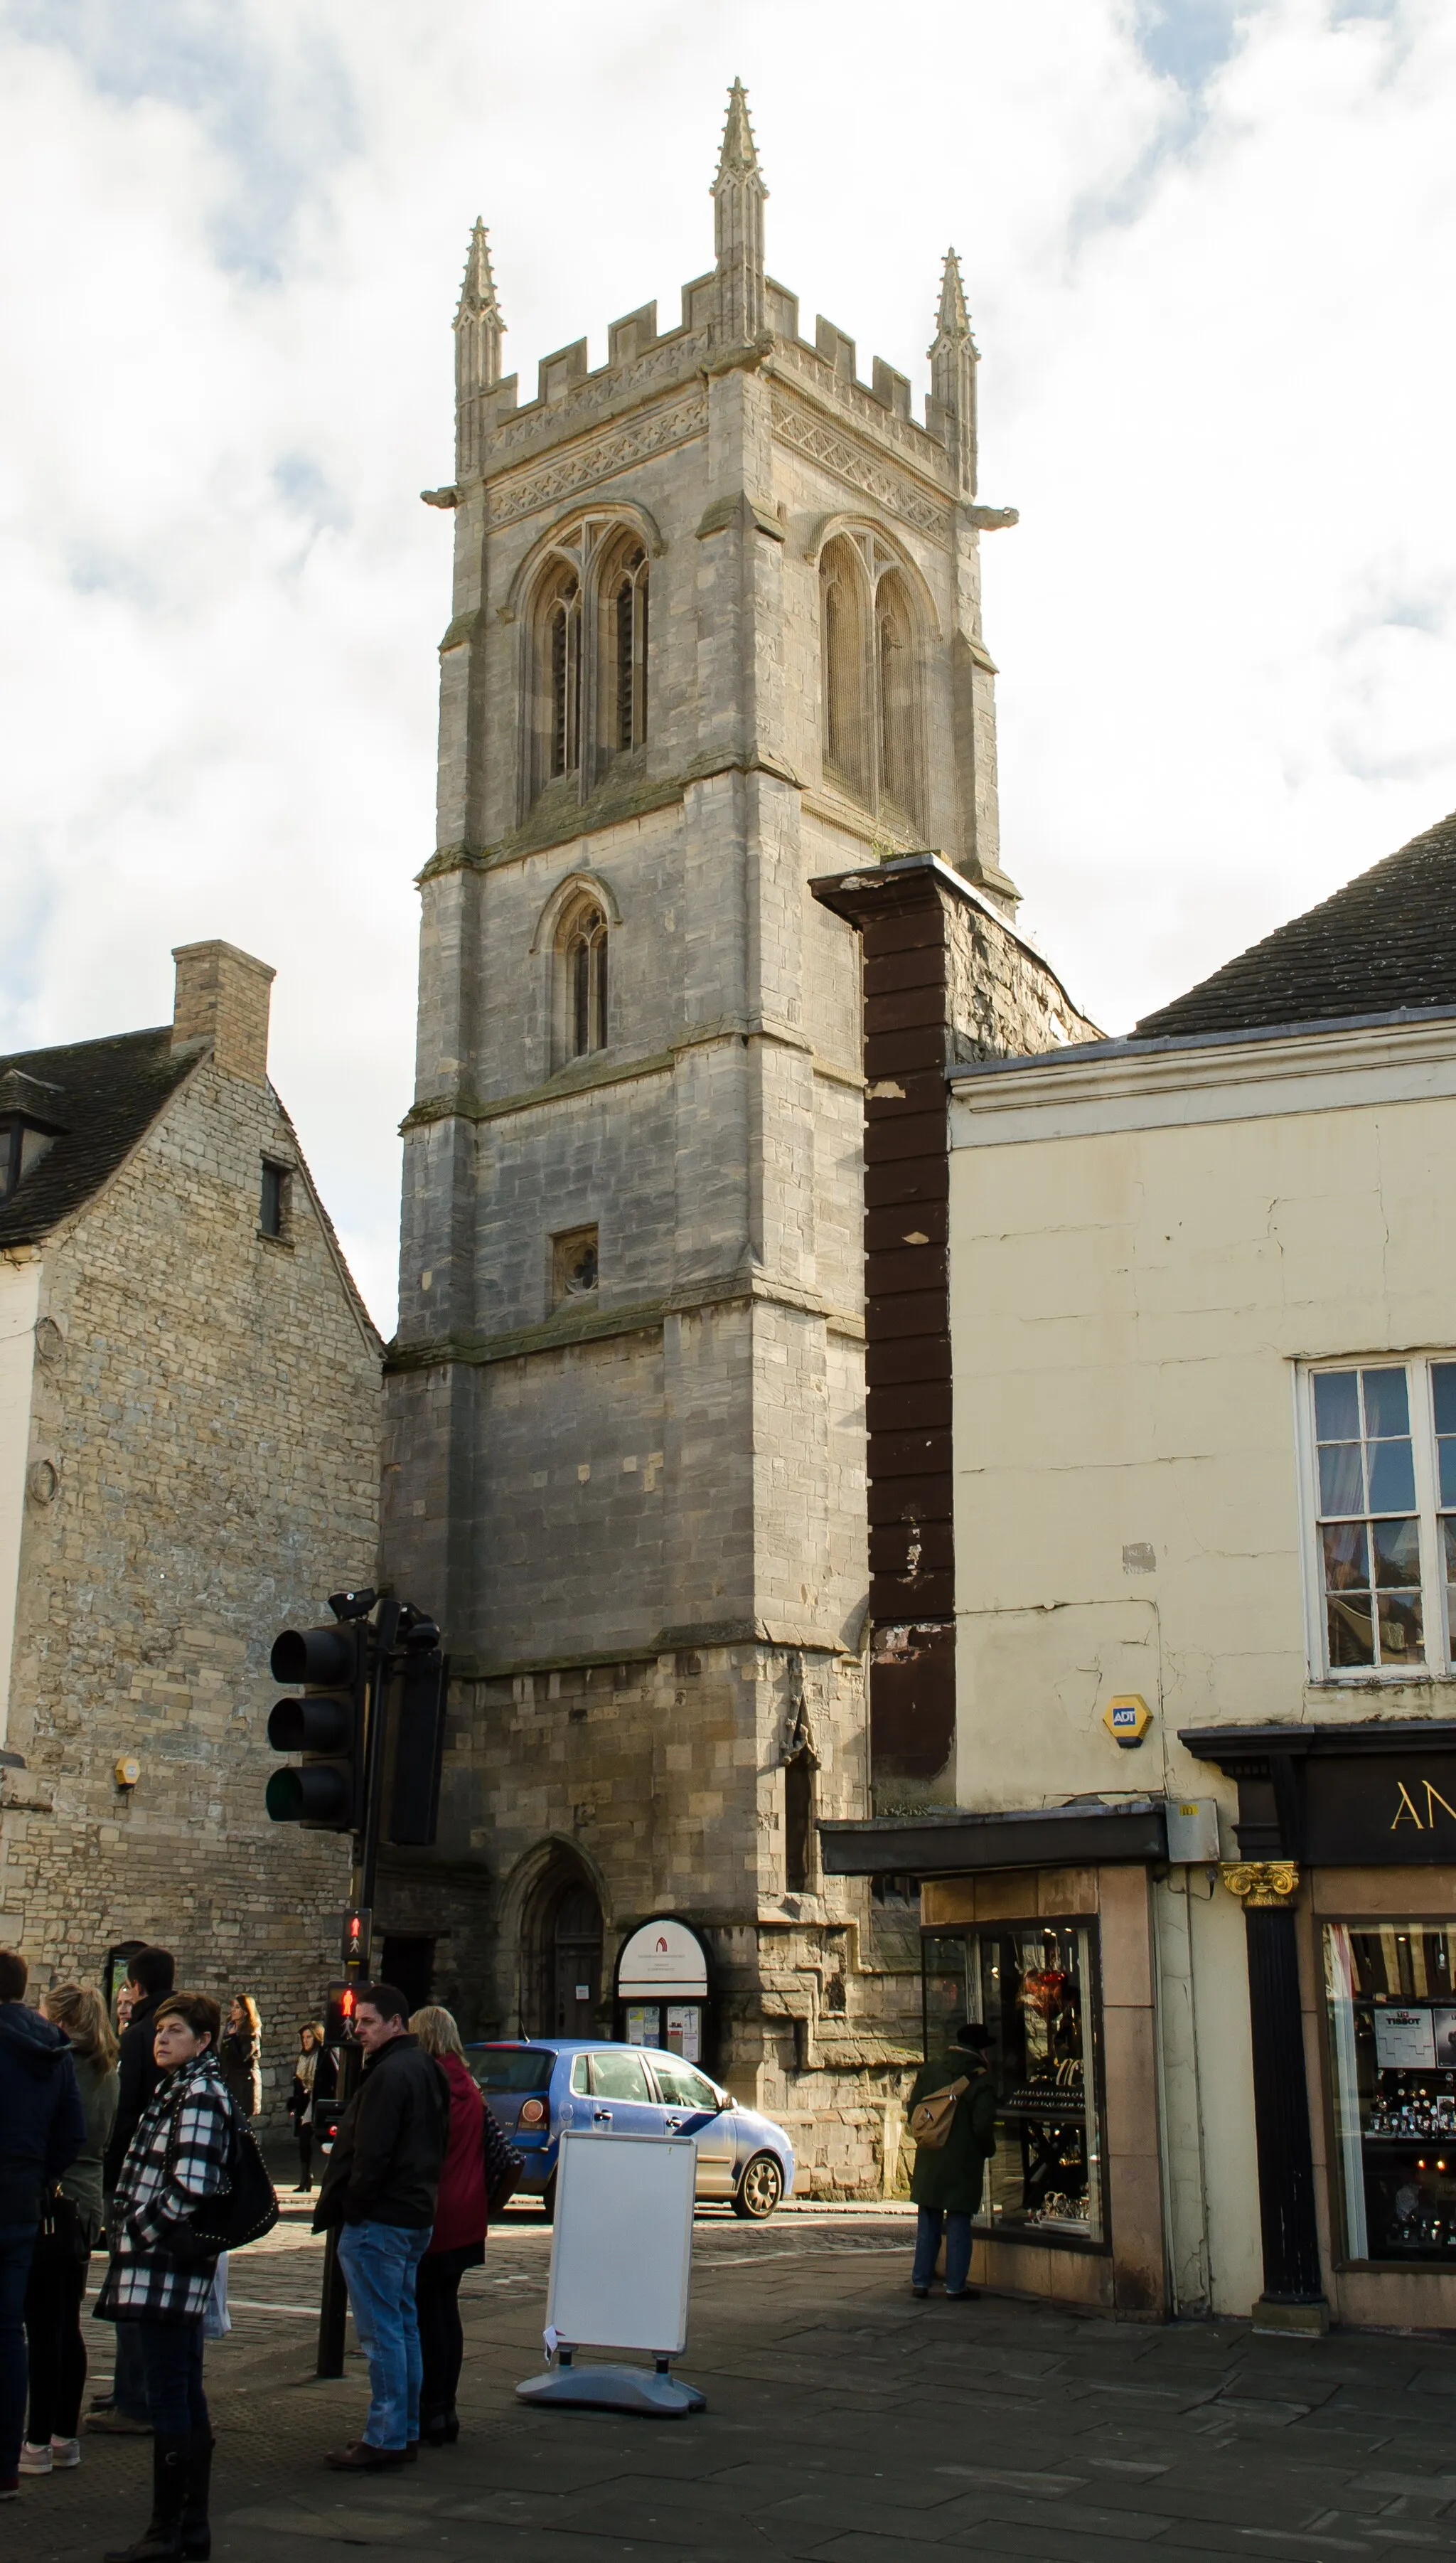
<point>71,2222</point>
<point>457,2242</point>
<point>239,2054</point>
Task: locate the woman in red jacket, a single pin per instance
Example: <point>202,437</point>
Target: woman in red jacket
<point>457,2243</point>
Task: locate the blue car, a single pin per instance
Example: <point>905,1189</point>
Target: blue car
<point>536,2086</point>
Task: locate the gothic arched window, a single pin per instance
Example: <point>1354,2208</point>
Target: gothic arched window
<point>557,722</point>
<point>895,692</point>
<point>842,587</point>
<point>588,654</point>
<point>581,975</point>
<point>624,590</point>
<point>871,727</point>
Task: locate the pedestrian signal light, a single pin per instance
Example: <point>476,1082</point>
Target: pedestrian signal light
<point>338,2018</point>
<point>325,1790</point>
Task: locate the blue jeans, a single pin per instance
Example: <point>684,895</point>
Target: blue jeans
<point>170,2355</point>
<point>379,2263</point>
<point>17,2242</point>
<point>928,2224</point>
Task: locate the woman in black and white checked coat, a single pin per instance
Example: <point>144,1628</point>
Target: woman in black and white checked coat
<point>177,2158</point>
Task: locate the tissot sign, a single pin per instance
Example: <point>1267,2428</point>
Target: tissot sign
<point>1380,1808</point>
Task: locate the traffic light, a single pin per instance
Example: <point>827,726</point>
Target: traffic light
<point>338,2018</point>
<point>327,1725</point>
<point>419,1693</point>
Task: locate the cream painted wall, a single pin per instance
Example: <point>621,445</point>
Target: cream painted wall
<point>1128,1309</point>
<point>20,1291</point>
<point>1136,1269</point>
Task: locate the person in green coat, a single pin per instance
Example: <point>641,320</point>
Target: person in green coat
<point>948,2179</point>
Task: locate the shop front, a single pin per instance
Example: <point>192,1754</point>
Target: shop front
<point>1039,1925</point>
<point>1348,1877</point>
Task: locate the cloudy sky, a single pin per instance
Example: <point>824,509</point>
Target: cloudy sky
<point>1211,254</point>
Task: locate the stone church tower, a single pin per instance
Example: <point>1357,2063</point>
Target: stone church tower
<point>716,631</point>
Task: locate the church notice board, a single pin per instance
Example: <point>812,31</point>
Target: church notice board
<point>621,2244</point>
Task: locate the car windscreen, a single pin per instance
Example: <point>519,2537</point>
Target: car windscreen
<point>511,2068</point>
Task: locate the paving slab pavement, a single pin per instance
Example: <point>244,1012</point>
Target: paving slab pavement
<point>847,2423</point>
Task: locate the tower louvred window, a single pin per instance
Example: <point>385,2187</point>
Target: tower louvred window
<point>584,981</point>
<point>871,727</point>
<point>590,656</point>
<point>565,631</point>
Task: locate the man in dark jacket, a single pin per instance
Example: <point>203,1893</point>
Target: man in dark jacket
<point>42,2130</point>
<point>380,2189</point>
<point>150,1973</point>
<point>947,2181</point>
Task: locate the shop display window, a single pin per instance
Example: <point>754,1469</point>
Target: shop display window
<point>1391,1999</point>
<point>1034,1985</point>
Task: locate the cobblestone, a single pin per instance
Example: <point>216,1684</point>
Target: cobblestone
<point>847,2423</point>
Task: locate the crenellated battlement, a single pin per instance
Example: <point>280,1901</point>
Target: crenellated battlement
<point>736,314</point>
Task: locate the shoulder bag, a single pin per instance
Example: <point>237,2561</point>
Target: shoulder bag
<point>243,2212</point>
<point>931,2118</point>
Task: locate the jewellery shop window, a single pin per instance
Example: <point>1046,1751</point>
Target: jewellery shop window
<point>1391,1995</point>
<point>1035,1987</point>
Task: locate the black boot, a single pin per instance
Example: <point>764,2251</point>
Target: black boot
<point>196,2542</point>
<point>161,2541</point>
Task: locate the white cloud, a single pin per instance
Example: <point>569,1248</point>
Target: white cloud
<point>1211,253</point>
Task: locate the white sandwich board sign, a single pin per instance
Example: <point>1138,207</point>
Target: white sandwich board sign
<point>620,2270</point>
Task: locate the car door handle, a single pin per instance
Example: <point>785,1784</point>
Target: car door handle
<point>600,2117</point>
<point>675,2127</point>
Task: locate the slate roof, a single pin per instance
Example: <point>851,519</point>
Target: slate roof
<point>102,1096</point>
<point>1383,943</point>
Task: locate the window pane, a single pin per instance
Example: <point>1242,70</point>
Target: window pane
<point>1402,1640</point>
<point>1391,2019</point>
<point>1386,1404</point>
<point>1352,1630</point>
<point>1339,1490</point>
<point>1393,1477</point>
<point>681,2086</point>
<point>1443,1390</point>
<point>1446,1463</point>
<point>1337,1407</point>
<point>620,2077</point>
<point>1449,1531</point>
<point>1396,1545</point>
<point>1347,1556</point>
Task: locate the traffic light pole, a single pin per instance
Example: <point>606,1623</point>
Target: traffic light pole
<point>334,2295</point>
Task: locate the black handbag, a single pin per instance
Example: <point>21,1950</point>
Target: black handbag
<point>503,2165</point>
<point>241,2213</point>
<point>61,2234</point>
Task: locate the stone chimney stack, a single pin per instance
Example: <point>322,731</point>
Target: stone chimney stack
<point>223,997</point>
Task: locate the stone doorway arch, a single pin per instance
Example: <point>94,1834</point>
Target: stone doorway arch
<point>561,1932</point>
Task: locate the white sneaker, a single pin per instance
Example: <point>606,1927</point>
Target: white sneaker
<point>64,2452</point>
<point>34,2460</point>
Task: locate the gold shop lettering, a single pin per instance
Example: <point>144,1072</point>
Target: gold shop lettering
<point>1408,1813</point>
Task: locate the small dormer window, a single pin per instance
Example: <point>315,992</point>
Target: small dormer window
<point>26,1136</point>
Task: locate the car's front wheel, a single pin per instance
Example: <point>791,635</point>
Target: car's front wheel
<point>760,2188</point>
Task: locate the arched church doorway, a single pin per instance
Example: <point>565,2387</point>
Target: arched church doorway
<point>561,1952</point>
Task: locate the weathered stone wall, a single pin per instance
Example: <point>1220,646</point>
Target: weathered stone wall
<point>210,1409</point>
<point>674,1471</point>
<point>666,1777</point>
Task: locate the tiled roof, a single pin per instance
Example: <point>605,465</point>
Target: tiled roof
<point>1384,942</point>
<point>102,1097</point>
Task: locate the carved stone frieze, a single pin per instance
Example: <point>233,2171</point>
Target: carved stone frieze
<point>922,451</point>
<point>852,463</point>
<point>597,459</point>
<point>607,390</point>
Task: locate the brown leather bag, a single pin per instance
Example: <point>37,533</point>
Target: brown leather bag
<point>931,2118</point>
